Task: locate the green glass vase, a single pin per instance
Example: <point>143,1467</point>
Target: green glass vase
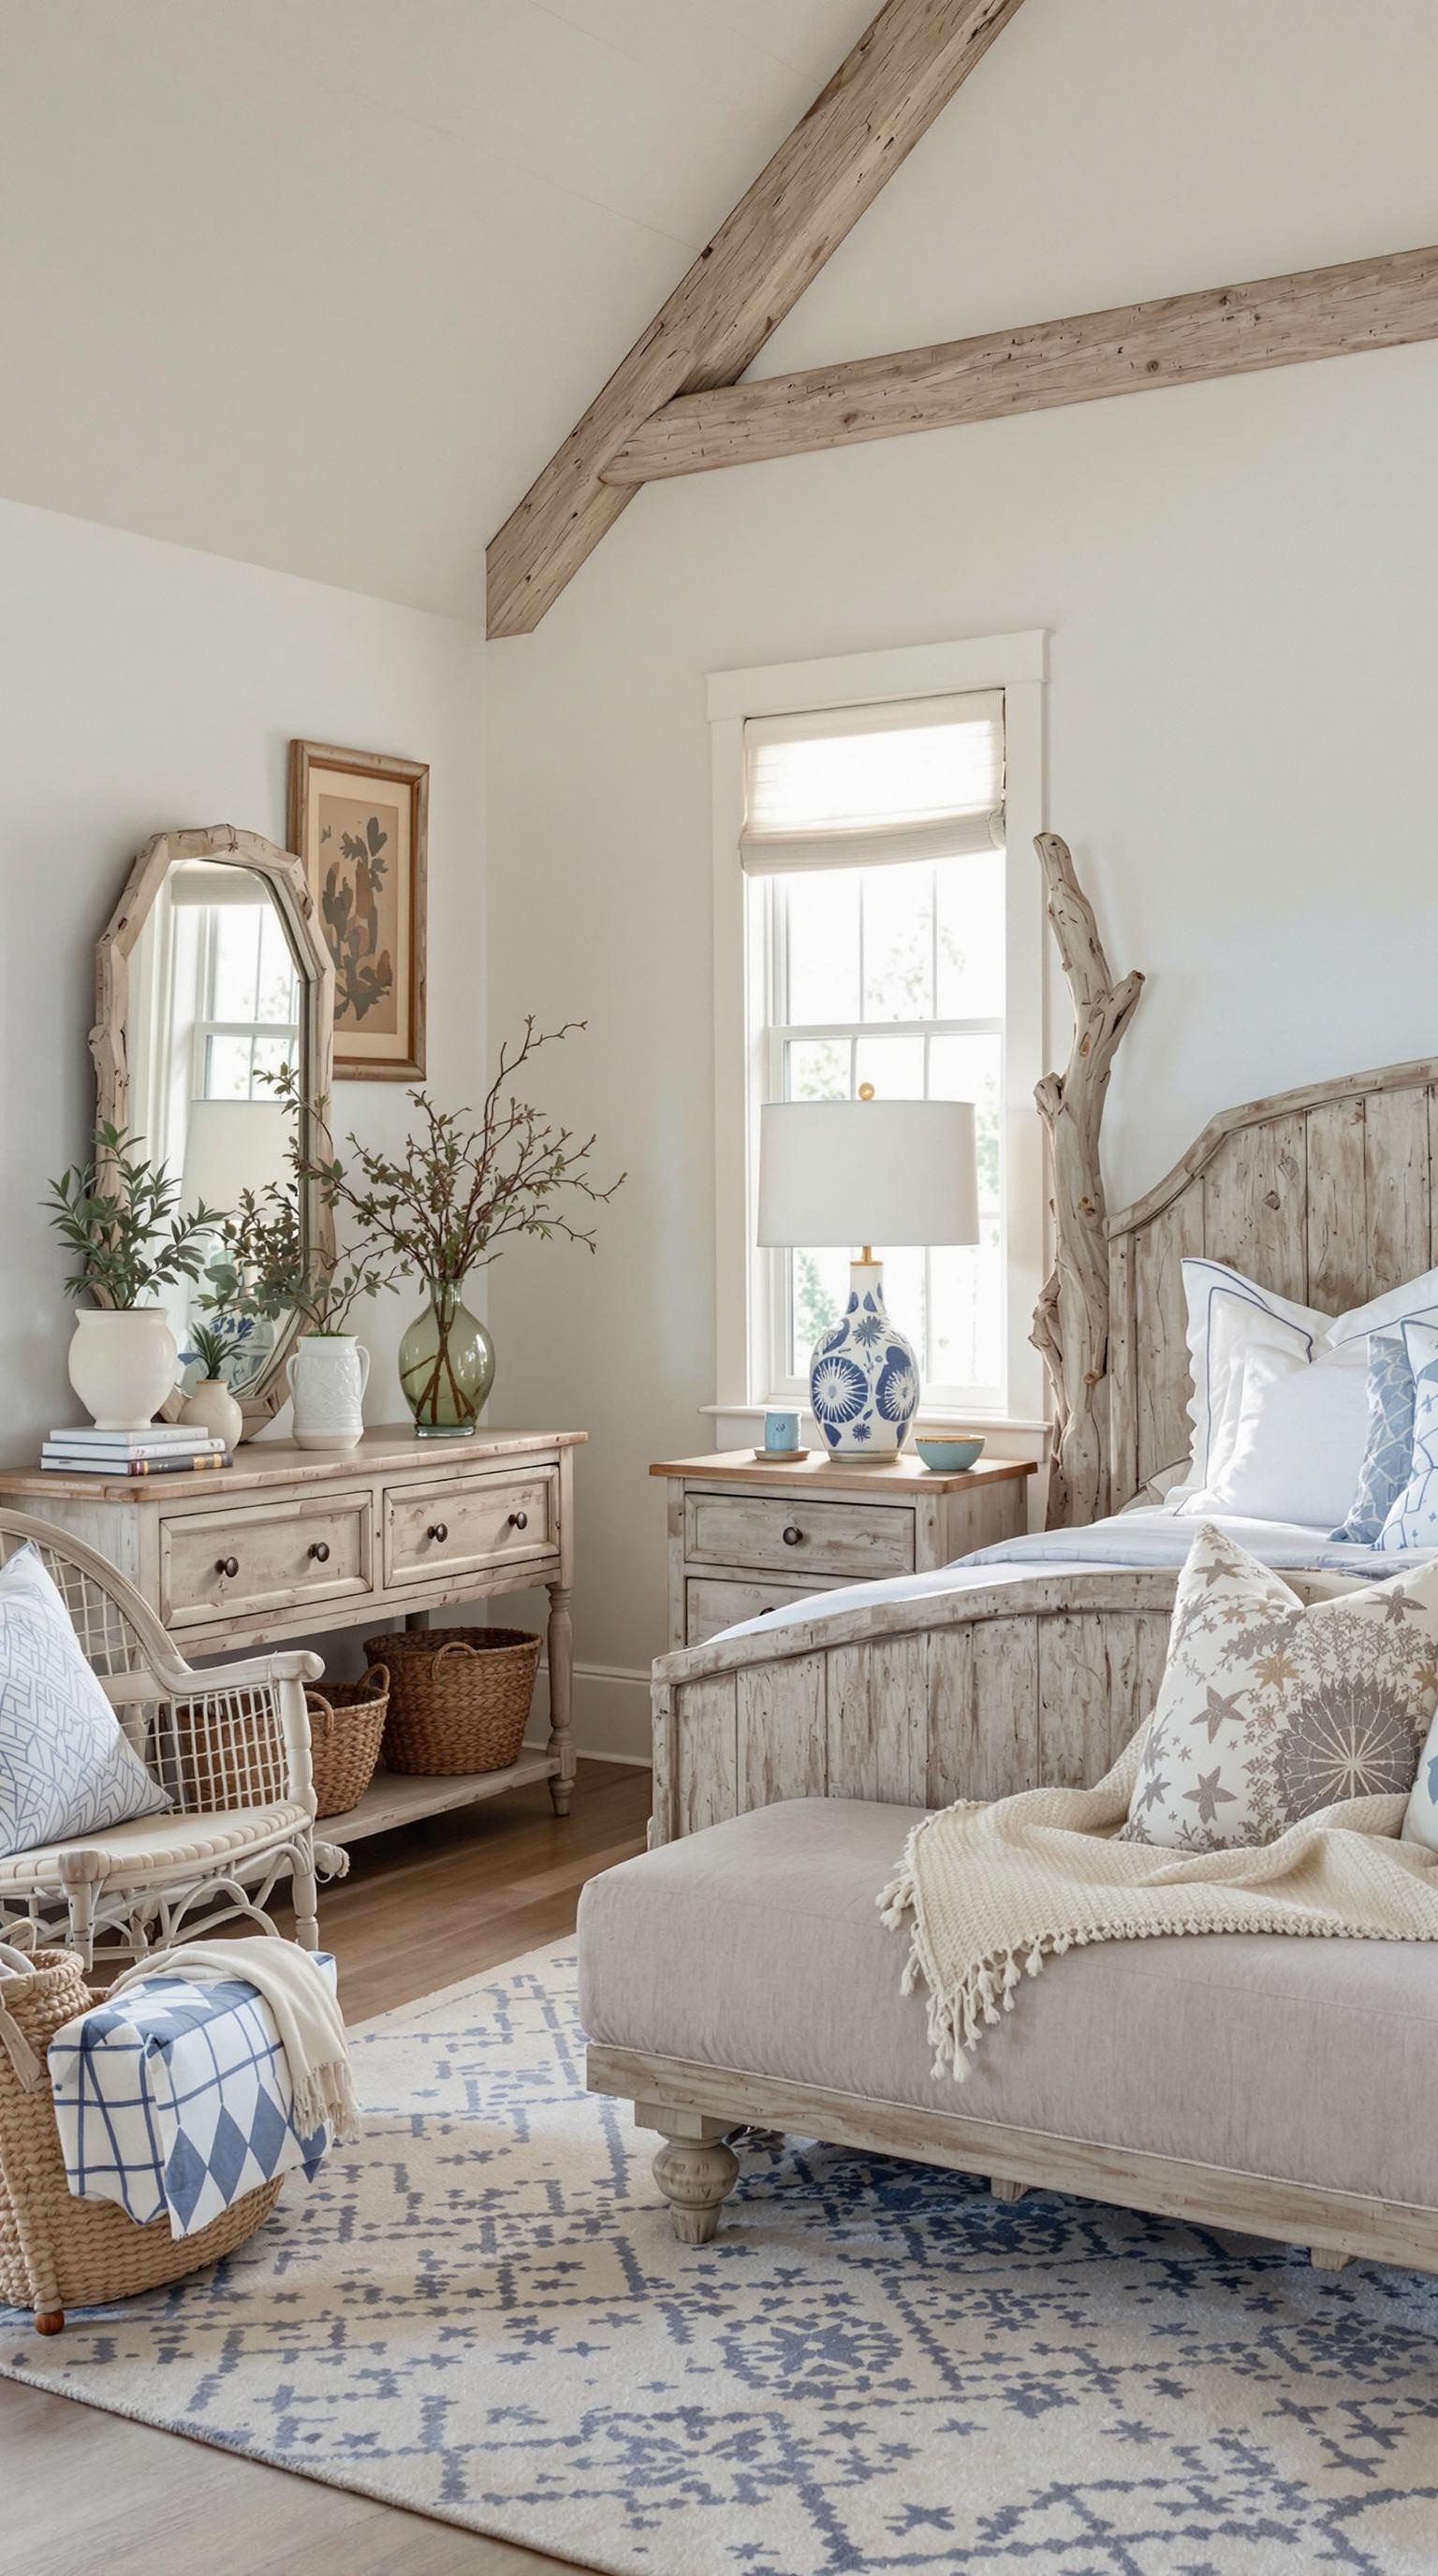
<point>446,1365</point>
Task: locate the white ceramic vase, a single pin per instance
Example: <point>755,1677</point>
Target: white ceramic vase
<point>864,1377</point>
<point>123,1363</point>
<point>209,1406</point>
<point>327,1375</point>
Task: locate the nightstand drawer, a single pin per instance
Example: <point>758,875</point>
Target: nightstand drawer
<point>267,1556</point>
<point>468,1525</point>
<point>710,1603</point>
<point>797,1535</point>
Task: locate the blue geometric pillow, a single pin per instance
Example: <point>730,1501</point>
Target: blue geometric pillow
<point>1388,1458</point>
<point>1413,1518</point>
<point>66,1767</point>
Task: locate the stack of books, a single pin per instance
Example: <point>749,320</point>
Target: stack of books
<point>161,1449</point>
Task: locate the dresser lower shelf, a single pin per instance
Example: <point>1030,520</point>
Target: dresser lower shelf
<point>402,1798</point>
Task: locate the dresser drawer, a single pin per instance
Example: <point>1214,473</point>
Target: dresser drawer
<point>798,1535</point>
<point>284,1555</point>
<point>468,1525</point>
<point>712,1603</point>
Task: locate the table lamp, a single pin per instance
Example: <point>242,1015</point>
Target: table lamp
<point>868,1171</point>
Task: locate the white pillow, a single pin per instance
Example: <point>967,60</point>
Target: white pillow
<point>1228,1315</point>
<point>66,1766</point>
<point>1299,1435</point>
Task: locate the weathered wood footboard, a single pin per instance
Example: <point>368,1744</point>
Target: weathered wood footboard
<point>970,1694</point>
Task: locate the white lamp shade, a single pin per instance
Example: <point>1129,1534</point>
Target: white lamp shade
<point>885,1172</point>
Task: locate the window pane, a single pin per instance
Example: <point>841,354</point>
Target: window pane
<point>816,1069</point>
<point>971,937</point>
<point>821,914</point>
<point>234,960</point>
<point>227,1068</point>
<point>899,942</point>
<point>819,1292</point>
<point>895,1066</point>
<point>967,1287</point>
<point>970,1069</point>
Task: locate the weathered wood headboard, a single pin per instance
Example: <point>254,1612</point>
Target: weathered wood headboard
<point>1325,1195</point>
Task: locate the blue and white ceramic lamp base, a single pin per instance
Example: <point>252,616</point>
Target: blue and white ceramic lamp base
<point>864,1376</point>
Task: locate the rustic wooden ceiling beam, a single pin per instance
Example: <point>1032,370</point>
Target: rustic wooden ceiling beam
<point>886,94</point>
<point>1176,340</point>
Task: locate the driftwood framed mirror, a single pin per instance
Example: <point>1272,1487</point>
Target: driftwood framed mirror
<point>209,975</point>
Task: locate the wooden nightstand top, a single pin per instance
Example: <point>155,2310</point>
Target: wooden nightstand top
<point>906,1474</point>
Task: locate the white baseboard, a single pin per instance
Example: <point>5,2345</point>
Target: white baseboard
<point>611,1712</point>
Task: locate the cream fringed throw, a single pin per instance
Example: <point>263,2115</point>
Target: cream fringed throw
<point>995,1890</point>
<point>306,2010</point>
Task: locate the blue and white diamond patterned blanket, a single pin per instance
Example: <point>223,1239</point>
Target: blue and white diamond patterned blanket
<point>177,2098</point>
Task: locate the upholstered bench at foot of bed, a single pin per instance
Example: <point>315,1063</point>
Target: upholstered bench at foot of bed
<point>1282,2087</point>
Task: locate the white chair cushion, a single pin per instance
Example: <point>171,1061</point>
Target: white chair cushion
<point>155,1846</point>
<point>66,1766</point>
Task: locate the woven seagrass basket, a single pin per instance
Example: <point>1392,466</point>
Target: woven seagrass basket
<point>55,2252</point>
<point>346,1723</point>
<point>459,1697</point>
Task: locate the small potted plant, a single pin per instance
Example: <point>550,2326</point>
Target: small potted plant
<point>118,1215</point>
<point>447,1205</point>
<point>211,1405</point>
<point>267,1270</point>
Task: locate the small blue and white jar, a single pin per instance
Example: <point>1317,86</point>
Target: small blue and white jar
<point>864,1376</point>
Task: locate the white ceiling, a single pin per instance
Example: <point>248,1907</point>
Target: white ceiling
<point>322,283</point>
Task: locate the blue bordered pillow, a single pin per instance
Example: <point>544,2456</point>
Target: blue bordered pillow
<point>66,1766</point>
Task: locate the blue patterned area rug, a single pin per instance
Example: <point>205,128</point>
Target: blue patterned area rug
<point>482,2313</point>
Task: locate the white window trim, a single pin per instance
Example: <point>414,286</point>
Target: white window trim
<point>1018,664</point>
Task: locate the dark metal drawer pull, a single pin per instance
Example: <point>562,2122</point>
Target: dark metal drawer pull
<point>439,1530</point>
<point>519,1520</point>
<point>793,1537</point>
<point>228,1566</point>
<point>320,1551</point>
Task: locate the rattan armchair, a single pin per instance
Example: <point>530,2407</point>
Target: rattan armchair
<point>231,1744</point>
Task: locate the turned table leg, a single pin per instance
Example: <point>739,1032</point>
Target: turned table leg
<point>696,2177</point>
<point>1324,2259</point>
<point>561,1687</point>
<point>1002,2190</point>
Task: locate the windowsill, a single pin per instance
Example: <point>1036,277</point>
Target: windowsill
<point>943,1417</point>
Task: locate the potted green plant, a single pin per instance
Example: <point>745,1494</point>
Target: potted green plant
<point>462,1187</point>
<point>267,1270</point>
<point>211,1405</point>
<point>118,1214</point>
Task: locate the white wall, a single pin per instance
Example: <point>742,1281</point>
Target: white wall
<point>1238,580</point>
<point>144,687</point>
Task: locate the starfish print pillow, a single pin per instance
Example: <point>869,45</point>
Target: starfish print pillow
<point>1272,1708</point>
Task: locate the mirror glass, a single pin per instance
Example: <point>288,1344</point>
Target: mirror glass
<point>216,1003</point>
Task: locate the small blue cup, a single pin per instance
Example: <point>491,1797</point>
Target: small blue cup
<point>781,1431</point>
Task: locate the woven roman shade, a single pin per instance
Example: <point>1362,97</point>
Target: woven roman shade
<point>913,778</point>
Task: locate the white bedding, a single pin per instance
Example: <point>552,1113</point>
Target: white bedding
<point>1133,1538</point>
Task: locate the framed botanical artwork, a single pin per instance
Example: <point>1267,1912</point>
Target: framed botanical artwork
<point>360,822</point>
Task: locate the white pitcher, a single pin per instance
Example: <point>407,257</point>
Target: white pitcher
<point>327,1374</point>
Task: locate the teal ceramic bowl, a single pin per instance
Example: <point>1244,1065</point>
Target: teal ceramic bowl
<point>949,1457</point>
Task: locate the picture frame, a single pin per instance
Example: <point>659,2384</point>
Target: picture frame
<point>359,823</point>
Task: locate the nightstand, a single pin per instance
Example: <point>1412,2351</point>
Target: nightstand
<point>745,1536</point>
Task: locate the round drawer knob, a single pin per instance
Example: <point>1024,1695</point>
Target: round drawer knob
<point>519,1520</point>
<point>793,1537</point>
<point>229,1566</point>
<point>438,1530</point>
<point>321,1551</point>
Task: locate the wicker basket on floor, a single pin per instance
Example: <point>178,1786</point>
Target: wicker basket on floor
<point>55,2252</point>
<point>346,1724</point>
<point>459,1697</point>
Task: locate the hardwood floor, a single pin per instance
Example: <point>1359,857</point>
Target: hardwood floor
<point>420,1909</point>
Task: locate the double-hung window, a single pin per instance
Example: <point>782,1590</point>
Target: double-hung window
<point>878,922</point>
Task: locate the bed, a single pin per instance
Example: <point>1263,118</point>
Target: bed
<point>1036,1660</point>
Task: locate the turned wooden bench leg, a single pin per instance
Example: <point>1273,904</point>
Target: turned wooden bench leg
<point>1323,2258</point>
<point>694,2168</point>
<point>1002,2190</point>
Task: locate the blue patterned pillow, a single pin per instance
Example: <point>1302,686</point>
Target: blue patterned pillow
<point>66,1767</point>
<point>1413,1519</point>
<point>1388,1458</point>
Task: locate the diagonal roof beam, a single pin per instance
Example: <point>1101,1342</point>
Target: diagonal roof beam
<point>886,94</point>
<point>1288,321</point>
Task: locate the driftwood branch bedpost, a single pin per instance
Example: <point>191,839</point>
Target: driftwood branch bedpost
<point>1071,1319</point>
